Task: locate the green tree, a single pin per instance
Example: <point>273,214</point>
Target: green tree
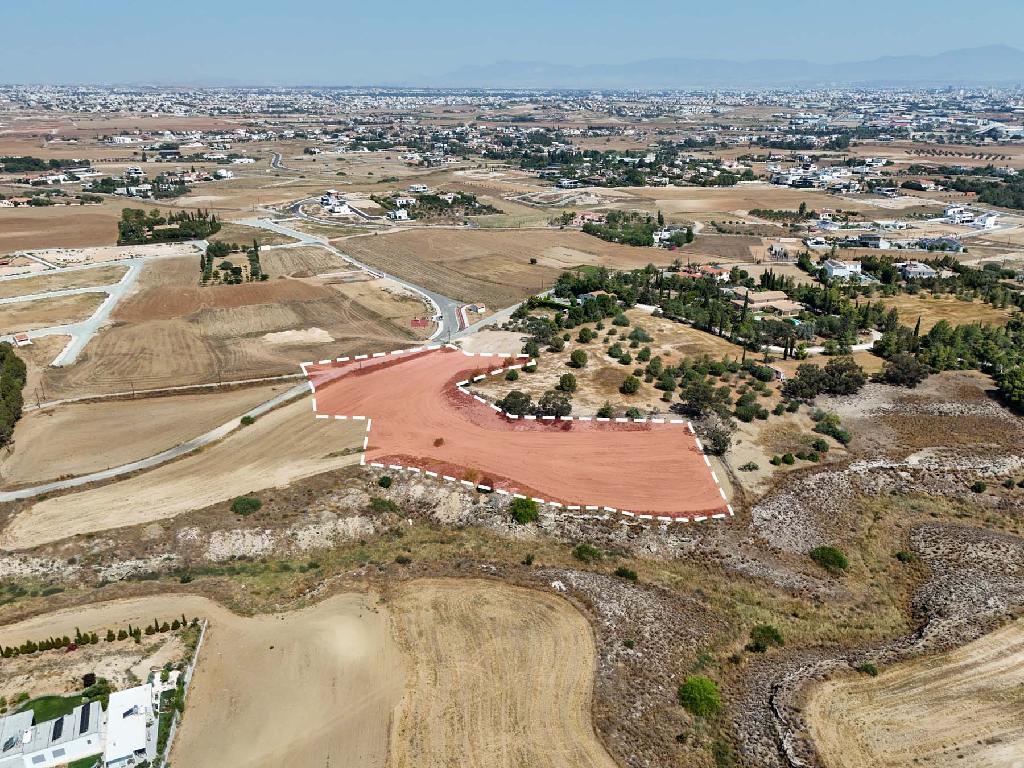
<point>567,382</point>
<point>903,370</point>
<point>578,358</point>
<point>630,385</point>
<point>554,403</point>
<point>516,402</point>
<point>700,696</point>
<point>1011,386</point>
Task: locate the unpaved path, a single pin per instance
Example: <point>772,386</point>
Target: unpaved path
<point>499,677</point>
<point>964,709</point>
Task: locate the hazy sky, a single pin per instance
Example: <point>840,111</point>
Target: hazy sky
<point>338,42</point>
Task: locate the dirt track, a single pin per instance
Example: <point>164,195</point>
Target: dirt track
<point>643,468</point>
<point>960,709</point>
<point>499,677</point>
<point>283,446</point>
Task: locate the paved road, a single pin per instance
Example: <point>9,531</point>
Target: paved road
<point>83,331</point>
<point>160,458</point>
<point>444,306</point>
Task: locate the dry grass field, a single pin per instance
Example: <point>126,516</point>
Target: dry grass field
<point>61,281</point>
<point>282,446</point>
<point>493,267</point>
<point>499,677</point>
<point>172,331</point>
<point>300,262</point>
<point>962,708</point>
<point>42,313</point>
<point>932,310</point>
<point>80,438</point>
<point>243,235</point>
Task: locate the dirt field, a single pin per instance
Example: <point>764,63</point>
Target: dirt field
<point>413,405</point>
<point>282,446</point>
<point>42,313</point>
<point>493,267</point>
<point>331,674</point>
<point>932,310</point>
<point>172,331</point>
<point>499,677</point>
<point>231,232</point>
<point>59,281</point>
<point>963,708</point>
<point>300,262</point>
<point>61,226</point>
<point>80,438</point>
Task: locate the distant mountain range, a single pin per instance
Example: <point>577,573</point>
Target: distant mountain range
<point>991,65</point>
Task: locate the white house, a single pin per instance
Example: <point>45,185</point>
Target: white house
<point>957,214</point>
<point>399,214</point>
<point>987,220</point>
<point>418,189</point>
<point>131,727</point>
<point>51,743</point>
<point>842,270</point>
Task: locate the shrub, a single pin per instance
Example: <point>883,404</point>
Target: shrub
<point>788,458</point>
<point>630,385</point>
<point>384,481</point>
<point>378,504</point>
<point>763,637</point>
<point>531,368</point>
<point>821,446</point>
<point>246,505</point>
<point>625,573</point>
<point>868,669</point>
<point>634,413</point>
<point>586,553</point>
<point>905,557</point>
<point>438,442</point>
<point>700,696</point>
<point>979,486</point>
<point>830,558</point>
<point>524,511</point>
<point>567,382</point>
<point>775,460</point>
<point>1008,483</point>
<point>247,420</point>
<point>606,411</point>
<point>626,359</point>
<point>578,359</point>
<point>620,320</point>
<point>586,335</point>
<point>750,466</point>
<point>516,402</point>
<point>512,376</point>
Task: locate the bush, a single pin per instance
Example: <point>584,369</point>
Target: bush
<point>978,486</point>
<point>635,414</point>
<point>775,460</point>
<point>626,359</point>
<point>606,411</point>
<point>868,669</point>
<point>516,402</point>
<point>403,559</point>
<point>567,382</point>
<point>524,511</point>
<point>378,504</point>
<point>763,637</point>
<point>586,553</point>
<point>750,466</point>
<point>905,557</point>
<point>830,558</point>
<point>247,420</point>
<point>578,358</point>
<point>788,458</point>
<point>700,696</point>
<point>384,481</point>
<point>246,505</point>
<point>512,376</point>
<point>630,385</point>
<point>586,335</point>
<point>620,320</point>
<point>625,573</point>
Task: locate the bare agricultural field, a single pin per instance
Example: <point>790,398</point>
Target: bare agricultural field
<point>80,438</point>
<point>282,446</point>
<point>962,708</point>
<point>332,674</point>
<point>300,262</point>
<point>933,309</point>
<point>742,197</point>
<point>42,313</point>
<point>60,281</point>
<point>499,677</point>
<point>492,267</point>
<point>61,226</point>
<point>172,331</point>
<point>231,232</point>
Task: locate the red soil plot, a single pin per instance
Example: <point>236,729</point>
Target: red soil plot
<point>420,418</point>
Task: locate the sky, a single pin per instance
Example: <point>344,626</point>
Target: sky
<point>338,42</point>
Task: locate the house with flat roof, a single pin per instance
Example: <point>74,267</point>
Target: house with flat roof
<point>842,270</point>
<point>53,742</point>
<point>776,302</point>
<point>131,728</point>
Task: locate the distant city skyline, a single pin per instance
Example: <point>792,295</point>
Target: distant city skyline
<point>404,43</point>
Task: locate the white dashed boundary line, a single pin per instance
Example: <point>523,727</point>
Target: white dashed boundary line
<point>563,510</point>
